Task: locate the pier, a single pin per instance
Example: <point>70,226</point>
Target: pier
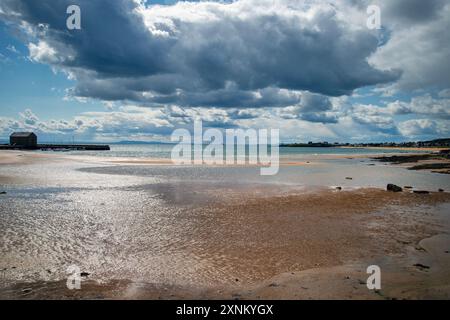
<point>58,147</point>
<point>28,141</point>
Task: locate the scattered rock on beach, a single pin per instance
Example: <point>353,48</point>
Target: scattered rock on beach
<point>393,188</point>
<point>274,285</point>
<point>421,192</point>
<point>435,167</point>
<point>441,171</point>
<point>441,190</point>
<point>421,266</point>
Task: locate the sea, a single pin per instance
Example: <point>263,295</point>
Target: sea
<point>163,151</point>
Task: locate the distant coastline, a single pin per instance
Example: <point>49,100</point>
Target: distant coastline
<point>399,148</point>
<point>438,144</point>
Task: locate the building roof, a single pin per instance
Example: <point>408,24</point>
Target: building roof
<point>22,134</point>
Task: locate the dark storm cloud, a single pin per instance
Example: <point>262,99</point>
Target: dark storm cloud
<point>418,43</point>
<point>228,98</point>
<point>413,11</point>
<point>312,108</point>
<point>314,102</point>
<point>403,11</point>
<point>319,117</point>
<point>113,41</point>
<point>277,51</point>
<point>127,52</point>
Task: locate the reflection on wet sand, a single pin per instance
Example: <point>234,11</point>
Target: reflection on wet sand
<point>194,232</point>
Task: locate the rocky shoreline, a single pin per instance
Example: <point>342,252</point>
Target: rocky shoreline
<point>434,162</point>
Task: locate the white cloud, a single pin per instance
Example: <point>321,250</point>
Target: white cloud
<point>418,43</point>
<point>12,49</point>
<point>424,127</point>
<point>43,52</point>
<point>422,105</point>
<point>445,93</point>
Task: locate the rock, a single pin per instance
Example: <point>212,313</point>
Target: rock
<point>338,188</point>
<point>349,178</point>
<point>393,188</point>
<point>236,296</point>
<point>441,190</point>
<point>421,266</point>
<point>274,285</point>
<point>3,192</point>
<point>407,187</point>
<point>27,290</point>
<point>421,192</point>
<point>84,274</point>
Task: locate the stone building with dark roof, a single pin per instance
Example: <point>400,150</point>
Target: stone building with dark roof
<point>23,140</point>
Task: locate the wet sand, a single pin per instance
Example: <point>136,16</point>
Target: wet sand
<point>263,242</point>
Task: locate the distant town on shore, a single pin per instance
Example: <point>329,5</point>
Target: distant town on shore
<point>438,143</point>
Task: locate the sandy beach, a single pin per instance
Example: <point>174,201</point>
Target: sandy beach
<point>138,231</point>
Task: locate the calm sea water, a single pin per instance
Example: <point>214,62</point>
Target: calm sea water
<point>163,151</point>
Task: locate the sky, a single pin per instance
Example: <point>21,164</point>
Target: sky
<point>138,70</point>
